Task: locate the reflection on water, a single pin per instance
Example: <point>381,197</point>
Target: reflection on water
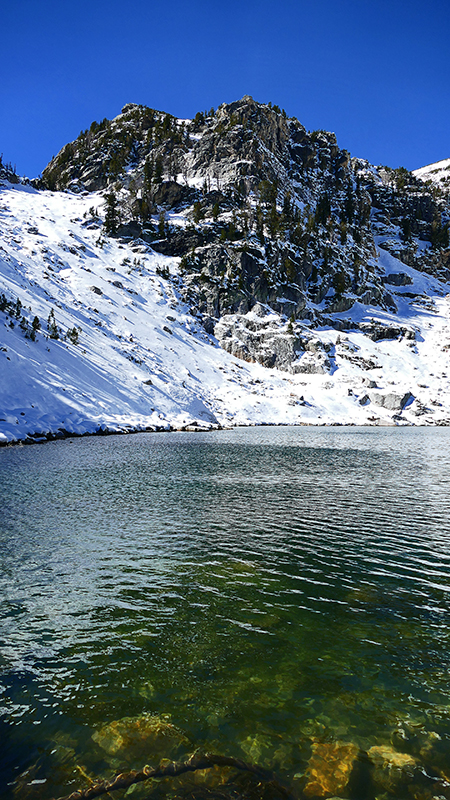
<point>279,595</point>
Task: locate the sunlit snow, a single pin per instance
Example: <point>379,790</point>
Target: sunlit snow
<point>143,360</point>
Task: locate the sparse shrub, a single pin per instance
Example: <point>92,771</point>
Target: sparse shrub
<point>73,334</point>
<point>163,272</point>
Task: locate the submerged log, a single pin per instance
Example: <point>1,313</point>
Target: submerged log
<point>173,769</point>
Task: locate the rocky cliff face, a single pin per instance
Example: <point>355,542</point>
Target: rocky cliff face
<point>277,228</point>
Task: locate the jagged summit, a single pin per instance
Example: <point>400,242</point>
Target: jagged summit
<point>260,211</point>
<point>101,155</point>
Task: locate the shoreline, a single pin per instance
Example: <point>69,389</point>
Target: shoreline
<point>62,434</point>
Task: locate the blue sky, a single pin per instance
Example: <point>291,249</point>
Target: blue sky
<point>376,72</point>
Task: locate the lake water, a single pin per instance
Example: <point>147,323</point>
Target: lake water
<point>276,594</point>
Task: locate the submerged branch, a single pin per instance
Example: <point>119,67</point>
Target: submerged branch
<point>173,769</point>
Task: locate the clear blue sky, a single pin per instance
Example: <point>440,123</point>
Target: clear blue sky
<point>376,72</point>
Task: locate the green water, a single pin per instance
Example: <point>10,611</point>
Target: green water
<point>279,595</point>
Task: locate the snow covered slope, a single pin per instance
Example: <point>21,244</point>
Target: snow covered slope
<point>143,361</point>
<point>438,173</point>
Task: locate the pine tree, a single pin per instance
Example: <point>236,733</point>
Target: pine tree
<point>197,213</point>
<point>291,272</point>
<point>405,227</point>
<point>439,234</point>
<point>268,192</point>
<point>259,224</point>
<point>111,216</point>
<point>323,210</point>
<point>287,207</point>
<point>148,174</point>
<point>349,204</point>
<point>35,326</point>
<point>52,326</point>
<point>73,334</point>
<point>339,282</point>
<point>158,169</point>
<point>162,232</point>
<point>273,221</point>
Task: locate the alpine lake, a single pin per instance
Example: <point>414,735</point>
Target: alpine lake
<point>277,595</point>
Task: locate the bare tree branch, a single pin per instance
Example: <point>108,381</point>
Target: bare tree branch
<point>172,769</point>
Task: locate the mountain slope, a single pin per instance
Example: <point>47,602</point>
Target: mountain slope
<point>438,173</point>
<point>235,269</point>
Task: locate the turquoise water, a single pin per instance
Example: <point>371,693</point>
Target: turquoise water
<point>274,594</point>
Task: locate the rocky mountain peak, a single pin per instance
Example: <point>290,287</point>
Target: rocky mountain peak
<point>261,213</point>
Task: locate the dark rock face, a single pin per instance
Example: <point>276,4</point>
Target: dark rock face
<point>180,242</point>
<point>132,230</point>
<point>397,279</point>
<point>261,212</point>
<point>377,332</point>
<point>172,195</point>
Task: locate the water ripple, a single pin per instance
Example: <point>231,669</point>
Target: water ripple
<point>265,579</point>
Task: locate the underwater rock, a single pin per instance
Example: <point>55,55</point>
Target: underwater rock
<point>147,690</point>
<point>422,743</point>
<point>391,766</point>
<point>138,737</point>
<point>258,748</point>
<point>329,768</point>
<point>211,778</point>
<point>387,757</point>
